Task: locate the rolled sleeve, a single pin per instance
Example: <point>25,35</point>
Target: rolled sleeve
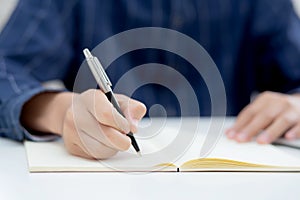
<point>29,55</point>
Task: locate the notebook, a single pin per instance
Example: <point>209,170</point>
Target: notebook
<point>227,155</point>
<point>289,143</point>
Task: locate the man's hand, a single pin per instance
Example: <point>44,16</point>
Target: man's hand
<point>270,116</point>
<point>91,127</point>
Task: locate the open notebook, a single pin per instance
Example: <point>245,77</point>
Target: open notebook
<point>226,156</point>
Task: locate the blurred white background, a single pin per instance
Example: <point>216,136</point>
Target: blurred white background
<point>296,5</point>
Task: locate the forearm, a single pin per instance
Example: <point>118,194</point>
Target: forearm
<point>45,112</point>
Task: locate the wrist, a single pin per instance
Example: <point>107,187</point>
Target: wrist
<point>45,112</point>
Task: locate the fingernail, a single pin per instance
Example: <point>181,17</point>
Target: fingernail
<point>242,137</point>
<point>264,138</point>
<point>231,134</point>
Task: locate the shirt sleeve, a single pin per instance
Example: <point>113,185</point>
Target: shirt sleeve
<point>29,45</point>
<point>275,30</point>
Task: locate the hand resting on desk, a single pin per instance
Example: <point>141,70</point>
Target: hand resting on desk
<point>270,116</point>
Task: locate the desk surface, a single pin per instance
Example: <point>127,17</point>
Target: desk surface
<point>17,183</point>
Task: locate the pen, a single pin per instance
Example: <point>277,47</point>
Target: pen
<point>105,85</point>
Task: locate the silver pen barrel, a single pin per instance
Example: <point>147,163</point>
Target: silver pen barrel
<point>98,71</point>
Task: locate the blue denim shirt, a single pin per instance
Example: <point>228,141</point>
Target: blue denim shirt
<point>254,43</point>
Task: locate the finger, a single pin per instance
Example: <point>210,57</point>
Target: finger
<point>293,133</point>
<point>118,140</point>
<point>245,116</point>
<point>94,148</point>
<point>258,123</point>
<point>71,139</point>
<point>104,112</point>
<point>86,123</point>
<point>104,134</point>
<point>266,102</point>
<point>133,110</point>
<point>284,121</point>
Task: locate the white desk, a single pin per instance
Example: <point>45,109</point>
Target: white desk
<point>17,183</point>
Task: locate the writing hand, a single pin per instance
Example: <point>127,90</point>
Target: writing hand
<point>89,124</point>
<point>93,128</point>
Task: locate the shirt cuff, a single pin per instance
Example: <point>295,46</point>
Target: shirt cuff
<point>39,138</point>
<point>10,117</point>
